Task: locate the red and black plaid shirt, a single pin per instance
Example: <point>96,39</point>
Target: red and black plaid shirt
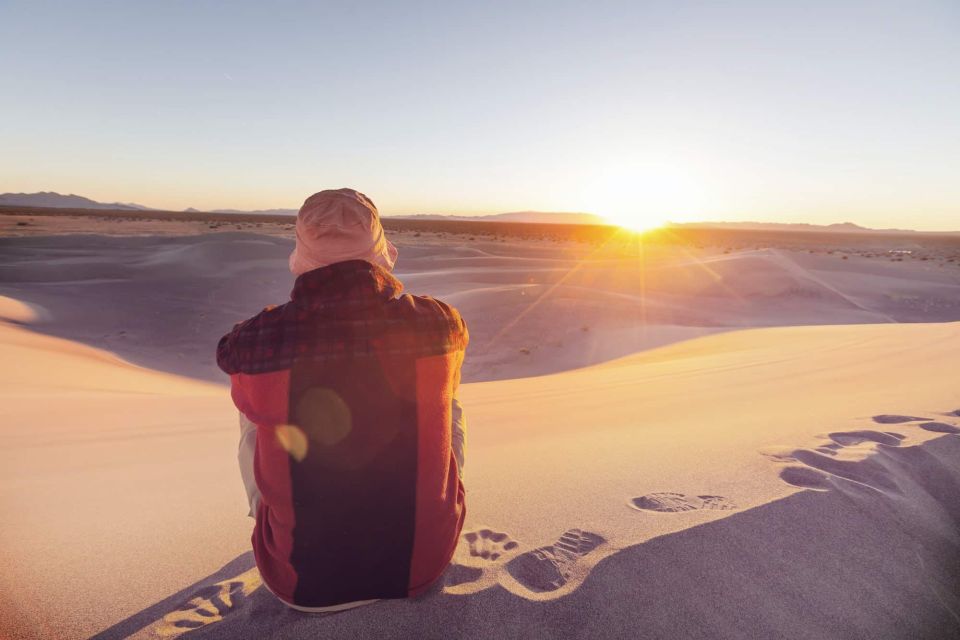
<point>347,308</point>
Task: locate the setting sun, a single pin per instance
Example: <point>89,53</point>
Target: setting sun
<point>642,196</point>
<point>633,222</point>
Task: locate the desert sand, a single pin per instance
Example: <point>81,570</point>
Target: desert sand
<point>671,443</point>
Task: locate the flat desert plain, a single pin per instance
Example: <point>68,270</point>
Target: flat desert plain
<point>726,435</point>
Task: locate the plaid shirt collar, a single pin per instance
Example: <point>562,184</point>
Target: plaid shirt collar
<point>346,280</point>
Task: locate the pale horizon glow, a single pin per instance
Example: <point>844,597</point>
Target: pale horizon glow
<point>640,112</point>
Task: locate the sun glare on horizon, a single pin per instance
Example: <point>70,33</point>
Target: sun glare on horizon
<point>633,222</point>
<point>641,197</point>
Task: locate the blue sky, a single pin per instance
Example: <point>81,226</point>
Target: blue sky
<point>800,112</point>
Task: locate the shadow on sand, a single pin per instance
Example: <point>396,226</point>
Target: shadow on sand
<point>855,561</point>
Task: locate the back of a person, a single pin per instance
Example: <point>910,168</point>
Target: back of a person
<point>351,387</point>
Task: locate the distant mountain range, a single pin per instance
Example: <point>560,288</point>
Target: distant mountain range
<point>71,201</point>
<point>52,199</point>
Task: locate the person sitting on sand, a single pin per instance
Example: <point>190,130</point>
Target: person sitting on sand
<point>352,437</point>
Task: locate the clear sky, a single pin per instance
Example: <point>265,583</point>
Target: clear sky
<point>796,112</point>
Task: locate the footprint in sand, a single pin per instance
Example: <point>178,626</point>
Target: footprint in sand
<point>485,547</point>
<point>818,469</point>
<point>851,438</point>
<point>550,568</point>
<point>841,439</point>
<point>209,604</point>
<point>895,419</point>
<point>806,478</point>
<point>829,449</point>
<point>939,427</point>
<point>819,466</point>
<point>489,544</point>
<point>677,502</point>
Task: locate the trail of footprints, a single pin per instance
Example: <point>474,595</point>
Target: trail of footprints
<point>550,568</point>
<point>818,468</point>
<point>541,570</point>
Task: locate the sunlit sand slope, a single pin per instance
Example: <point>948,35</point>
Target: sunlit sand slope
<point>115,485</point>
<point>784,482</point>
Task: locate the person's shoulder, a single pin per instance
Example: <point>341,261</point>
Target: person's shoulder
<point>433,314</point>
<point>432,308</point>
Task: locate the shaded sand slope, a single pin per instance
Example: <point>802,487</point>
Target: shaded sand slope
<point>784,482</point>
<point>532,307</point>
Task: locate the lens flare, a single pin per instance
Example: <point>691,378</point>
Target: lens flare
<point>293,440</point>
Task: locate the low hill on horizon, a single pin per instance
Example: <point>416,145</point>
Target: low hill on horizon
<point>61,201</point>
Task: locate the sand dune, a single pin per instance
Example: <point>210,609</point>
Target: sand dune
<point>603,501</point>
<point>533,307</point>
<point>733,482</point>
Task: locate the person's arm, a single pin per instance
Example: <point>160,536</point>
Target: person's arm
<point>459,435</point>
